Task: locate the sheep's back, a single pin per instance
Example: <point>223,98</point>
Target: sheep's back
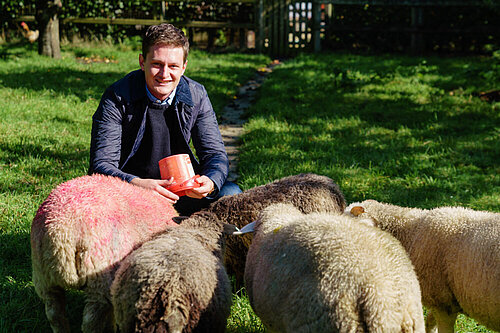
<point>307,192</point>
<point>335,266</point>
<point>468,245</point>
<point>171,274</point>
<point>88,224</point>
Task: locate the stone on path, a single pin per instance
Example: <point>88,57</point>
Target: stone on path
<point>231,122</point>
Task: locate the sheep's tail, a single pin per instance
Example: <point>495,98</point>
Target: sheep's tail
<point>161,313</point>
<point>410,323</point>
<point>52,266</point>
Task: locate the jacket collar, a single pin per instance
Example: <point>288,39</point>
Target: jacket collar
<point>183,93</point>
<point>138,91</point>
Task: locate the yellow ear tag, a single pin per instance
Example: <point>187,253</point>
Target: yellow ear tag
<point>277,229</point>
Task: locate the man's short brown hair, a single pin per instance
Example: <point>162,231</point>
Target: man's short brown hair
<point>166,34</point>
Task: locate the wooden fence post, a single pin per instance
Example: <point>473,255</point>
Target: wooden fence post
<point>259,18</point>
<point>274,19</point>
<point>417,37</point>
<point>281,27</point>
<point>163,11</point>
<point>316,25</point>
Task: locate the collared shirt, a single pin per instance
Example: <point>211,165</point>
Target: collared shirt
<point>168,101</point>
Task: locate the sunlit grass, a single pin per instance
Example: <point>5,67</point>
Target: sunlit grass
<point>409,131</point>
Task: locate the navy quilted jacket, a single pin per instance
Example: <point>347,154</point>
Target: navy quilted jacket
<point>119,123</point>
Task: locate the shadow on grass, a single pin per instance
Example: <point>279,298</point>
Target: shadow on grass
<point>40,161</point>
<point>22,310</point>
<point>364,121</point>
<point>448,73</point>
<point>18,49</point>
<point>63,81</point>
<point>220,79</point>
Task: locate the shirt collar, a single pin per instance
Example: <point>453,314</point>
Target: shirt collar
<point>168,100</point>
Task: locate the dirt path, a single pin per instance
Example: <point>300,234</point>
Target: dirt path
<point>231,122</point>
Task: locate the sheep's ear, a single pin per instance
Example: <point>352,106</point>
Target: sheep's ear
<point>230,229</point>
<point>357,210</point>
<point>179,219</point>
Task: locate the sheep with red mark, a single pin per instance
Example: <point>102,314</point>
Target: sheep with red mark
<point>79,236</point>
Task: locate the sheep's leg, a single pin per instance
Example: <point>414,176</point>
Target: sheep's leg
<point>55,310</point>
<point>440,321</point>
<point>430,323</point>
<point>97,317</point>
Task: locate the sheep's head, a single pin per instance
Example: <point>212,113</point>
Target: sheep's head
<point>357,209</point>
<point>276,216</point>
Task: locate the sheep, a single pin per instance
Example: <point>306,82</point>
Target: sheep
<point>321,272</point>
<point>456,254</point>
<point>308,192</point>
<point>175,282</point>
<point>79,235</point>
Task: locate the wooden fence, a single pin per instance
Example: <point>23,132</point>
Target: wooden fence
<point>190,25</point>
<point>291,25</point>
<point>284,27</point>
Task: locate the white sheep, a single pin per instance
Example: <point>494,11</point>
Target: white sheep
<point>175,282</point>
<point>321,272</point>
<point>456,254</point>
<point>308,192</point>
<point>79,236</point>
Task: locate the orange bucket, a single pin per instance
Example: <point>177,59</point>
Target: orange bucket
<point>180,168</point>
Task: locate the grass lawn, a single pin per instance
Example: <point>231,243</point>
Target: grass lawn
<point>408,131</point>
<point>403,130</point>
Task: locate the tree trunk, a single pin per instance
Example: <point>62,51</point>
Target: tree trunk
<point>48,25</point>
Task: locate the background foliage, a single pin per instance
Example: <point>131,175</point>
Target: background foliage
<point>175,12</point>
<point>471,29</point>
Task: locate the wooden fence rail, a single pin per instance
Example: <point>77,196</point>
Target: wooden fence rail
<point>132,21</point>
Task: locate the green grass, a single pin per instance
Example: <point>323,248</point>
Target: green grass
<point>46,114</point>
<point>403,130</point>
<point>408,131</point>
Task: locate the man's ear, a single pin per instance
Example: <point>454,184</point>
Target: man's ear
<point>185,66</point>
<point>141,61</point>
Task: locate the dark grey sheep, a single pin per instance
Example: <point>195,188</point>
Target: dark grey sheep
<point>175,282</point>
<point>308,192</point>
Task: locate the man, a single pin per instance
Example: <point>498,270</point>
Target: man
<point>155,112</point>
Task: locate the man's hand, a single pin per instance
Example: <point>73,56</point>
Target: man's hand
<point>206,186</point>
<point>157,185</point>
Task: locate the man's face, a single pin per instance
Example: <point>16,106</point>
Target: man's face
<point>164,65</point>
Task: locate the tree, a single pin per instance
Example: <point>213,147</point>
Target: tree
<point>48,24</point>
